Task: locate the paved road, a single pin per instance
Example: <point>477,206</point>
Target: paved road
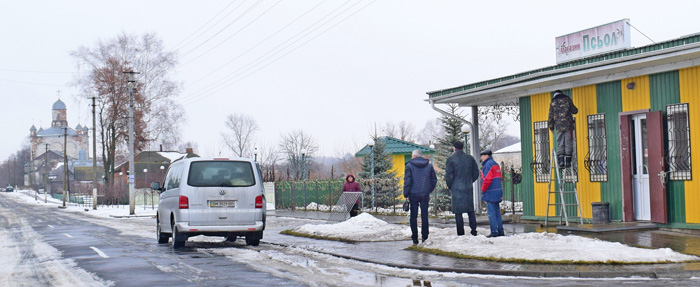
<point>122,259</point>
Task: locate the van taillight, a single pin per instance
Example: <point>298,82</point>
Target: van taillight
<point>184,202</point>
<point>259,201</point>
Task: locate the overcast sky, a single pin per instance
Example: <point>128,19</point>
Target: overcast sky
<point>366,62</point>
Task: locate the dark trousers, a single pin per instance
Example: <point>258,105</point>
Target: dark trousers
<point>421,202</point>
<point>565,143</point>
<point>355,208</point>
<point>460,222</point>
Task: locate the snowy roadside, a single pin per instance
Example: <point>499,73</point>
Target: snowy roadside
<point>526,247</point>
<point>29,261</point>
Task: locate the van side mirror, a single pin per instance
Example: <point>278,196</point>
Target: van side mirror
<point>156,186</point>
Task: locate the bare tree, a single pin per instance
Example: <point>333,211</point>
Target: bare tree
<point>492,125</point>
<point>291,146</point>
<point>407,131</point>
<point>269,159</point>
<point>163,117</point>
<point>240,136</point>
<point>431,132</point>
<point>390,130</point>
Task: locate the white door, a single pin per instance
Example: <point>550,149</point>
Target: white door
<point>640,167</point>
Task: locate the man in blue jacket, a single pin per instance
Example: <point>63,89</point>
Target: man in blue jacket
<point>418,182</point>
<point>492,193</point>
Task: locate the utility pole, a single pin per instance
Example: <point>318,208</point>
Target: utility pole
<point>94,158</point>
<point>47,187</point>
<point>65,165</point>
<point>132,170</point>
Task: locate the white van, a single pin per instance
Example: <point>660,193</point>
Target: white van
<point>211,196</point>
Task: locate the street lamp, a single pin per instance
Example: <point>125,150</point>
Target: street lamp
<point>144,185</point>
<point>432,146</point>
<point>465,131</point>
<point>371,160</point>
<point>255,153</point>
<point>303,164</point>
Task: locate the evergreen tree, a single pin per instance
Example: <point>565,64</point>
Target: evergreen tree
<point>384,178</point>
<point>453,132</point>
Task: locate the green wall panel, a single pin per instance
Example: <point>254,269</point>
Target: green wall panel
<point>664,90</point>
<point>527,185</point>
<point>609,101</point>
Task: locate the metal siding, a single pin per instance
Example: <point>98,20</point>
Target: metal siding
<point>690,93</point>
<point>526,135</point>
<point>539,107</point>
<point>664,89</point>
<point>637,98</point>
<point>585,100</point>
<point>609,101</point>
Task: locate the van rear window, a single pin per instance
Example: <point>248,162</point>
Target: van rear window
<point>221,174</point>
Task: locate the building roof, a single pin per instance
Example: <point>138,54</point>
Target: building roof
<point>33,128</point>
<point>55,131</point>
<point>660,57</point>
<point>59,105</point>
<point>514,148</point>
<point>396,147</point>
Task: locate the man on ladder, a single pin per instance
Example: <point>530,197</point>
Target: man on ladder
<point>561,119</point>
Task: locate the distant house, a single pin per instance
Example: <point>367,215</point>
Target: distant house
<point>155,164</point>
<point>509,155</point>
<point>400,153</point>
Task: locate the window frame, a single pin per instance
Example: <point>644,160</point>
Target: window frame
<point>680,166</point>
<point>596,161</point>
<point>541,163</point>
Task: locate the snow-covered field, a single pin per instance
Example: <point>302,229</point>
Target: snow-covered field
<point>526,246</point>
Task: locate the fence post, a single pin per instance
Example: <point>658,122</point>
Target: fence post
<point>293,188</point>
<point>512,191</point>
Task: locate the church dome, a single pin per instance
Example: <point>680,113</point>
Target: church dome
<point>32,129</point>
<point>59,105</point>
<point>78,127</point>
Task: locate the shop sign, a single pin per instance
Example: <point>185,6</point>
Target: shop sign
<point>596,40</point>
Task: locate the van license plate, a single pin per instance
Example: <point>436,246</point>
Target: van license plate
<point>222,203</point>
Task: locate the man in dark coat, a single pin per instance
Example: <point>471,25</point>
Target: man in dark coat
<point>461,171</point>
<point>418,182</point>
<point>561,119</point>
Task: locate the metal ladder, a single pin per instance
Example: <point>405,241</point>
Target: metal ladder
<point>564,177</point>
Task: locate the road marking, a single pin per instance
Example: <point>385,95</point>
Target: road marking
<point>51,226</point>
<point>99,252</point>
<point>68,235</point>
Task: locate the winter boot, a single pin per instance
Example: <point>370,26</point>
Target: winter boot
<point>560,161</point>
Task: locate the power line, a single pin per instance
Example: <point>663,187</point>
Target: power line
<point>32,83</point>
<point>40,72</point>
<point>259,43</point>
<point>641,32</point>
<point>234,34</point>
<point>265,56</point>
<point>205,24</point>
<point>222,29</point>
<point>278,58</point>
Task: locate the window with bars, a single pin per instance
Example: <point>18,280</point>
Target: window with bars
<point>678,155</point>
<point>596,161</point>
<point>540,164</point>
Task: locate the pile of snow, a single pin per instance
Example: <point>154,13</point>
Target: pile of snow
<point>526,246</point>
<point>363,227</point>
<point>507,206</point>
<point>552,247</point>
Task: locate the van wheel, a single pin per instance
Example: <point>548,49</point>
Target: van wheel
<point>249,240</point>
<point>178,238</point>
<point>231,238</point>
<point>162,237</point>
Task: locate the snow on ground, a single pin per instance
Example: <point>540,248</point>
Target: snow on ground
<point>527,246</point>
<point>27,260</point>
<point>102,211</point>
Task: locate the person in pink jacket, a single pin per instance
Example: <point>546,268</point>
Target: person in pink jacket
<point>352,185</point>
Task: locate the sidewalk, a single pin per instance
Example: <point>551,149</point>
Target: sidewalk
<point>394,253</point>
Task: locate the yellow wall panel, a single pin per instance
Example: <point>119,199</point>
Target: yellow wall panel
<point>585,100</point>
<point>540,110</point>
<point>690,93</point>
<point>637,98</point>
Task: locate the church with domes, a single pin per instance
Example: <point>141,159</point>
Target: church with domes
<point>52,138</point>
